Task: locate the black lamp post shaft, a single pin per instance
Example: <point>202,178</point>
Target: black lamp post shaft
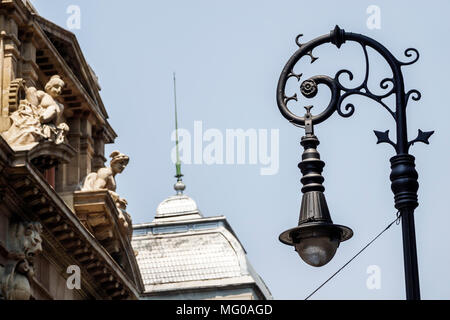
<point>403,177</point>
<point>410,255</point>
<point>404,186</point>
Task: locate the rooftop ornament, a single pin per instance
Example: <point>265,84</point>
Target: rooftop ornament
<point>179,186</point>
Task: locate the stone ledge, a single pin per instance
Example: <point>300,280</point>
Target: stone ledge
<point>99,214</point>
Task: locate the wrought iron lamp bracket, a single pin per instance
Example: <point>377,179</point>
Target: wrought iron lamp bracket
<point>339,92</point>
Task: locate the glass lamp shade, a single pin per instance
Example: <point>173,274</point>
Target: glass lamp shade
<point>317,251</point>
<point>316,243</point>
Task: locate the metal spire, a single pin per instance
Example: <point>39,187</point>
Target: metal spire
<point>179,185</point>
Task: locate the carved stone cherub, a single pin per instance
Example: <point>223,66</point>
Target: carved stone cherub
<point>38,117</point>
<point>104,178</point>
<point>25,243</point>
<point>50,110</point>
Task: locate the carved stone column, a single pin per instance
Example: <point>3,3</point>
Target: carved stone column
<point>67,176</point>
<point>9,56</point>
<point>86,146</point>
<point>29,67</point>
<point>73,177</point>
<point>99,159</point>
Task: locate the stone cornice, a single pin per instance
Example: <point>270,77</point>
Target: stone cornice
<point>214,285</point>
<point>16,9</point>
<point>99,213</point>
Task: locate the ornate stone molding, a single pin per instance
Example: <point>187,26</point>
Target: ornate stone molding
<point>46,154</point>
<point>16,94</point>
<point>100,215</point>
<point>24,243</point>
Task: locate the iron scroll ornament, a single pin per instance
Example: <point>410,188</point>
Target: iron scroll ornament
<point>339,92</point>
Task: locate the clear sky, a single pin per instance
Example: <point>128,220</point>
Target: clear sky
<point>228,56</point>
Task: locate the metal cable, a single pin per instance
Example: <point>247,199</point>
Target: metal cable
<point>397,220</point>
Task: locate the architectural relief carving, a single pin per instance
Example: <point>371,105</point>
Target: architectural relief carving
<point>104,178</point>
<point>16,94</point>
<point>24,243</point>
<point>38,117</point>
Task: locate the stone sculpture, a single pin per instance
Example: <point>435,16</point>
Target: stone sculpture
<point>38,117</point>
<point>24,244</point>
<point>104,178</point>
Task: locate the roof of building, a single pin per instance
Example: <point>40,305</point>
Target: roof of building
<point>182,250</point>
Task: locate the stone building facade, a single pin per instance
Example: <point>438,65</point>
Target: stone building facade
<point>59,209</point>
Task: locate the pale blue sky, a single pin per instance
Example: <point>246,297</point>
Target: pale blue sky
<point>228,56</point>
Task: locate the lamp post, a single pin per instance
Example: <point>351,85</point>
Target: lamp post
<point>316,238</point>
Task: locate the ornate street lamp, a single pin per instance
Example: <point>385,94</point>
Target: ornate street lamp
<point>316,238</point>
